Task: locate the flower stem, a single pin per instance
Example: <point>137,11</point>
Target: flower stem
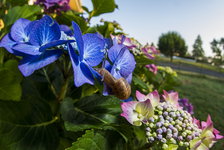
<point>50,83</point>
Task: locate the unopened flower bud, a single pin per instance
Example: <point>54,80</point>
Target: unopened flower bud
<point>159,136</point>
<point>169,136</point>
<point>165,146</point>
<point>158,124</point>
<point>151,119</point>
<point>159,131</point>
<point>181,143</point>
<point>180,138</point>
<point>172,140</point>
<point>165,113</point>
<point>184,134</point>
<point>163,140</point>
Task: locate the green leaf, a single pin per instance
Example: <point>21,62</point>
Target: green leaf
<point>90,112</point>
<point>69,16</point>
<point>138,82</point>
<point>27,125</point>
<point>102,6</point>
<point>26,11</point>
<point>90,140</point>
<point>10,88</point>
<point>142,60</point>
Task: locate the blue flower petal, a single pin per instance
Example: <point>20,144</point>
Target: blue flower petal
<point>79,76</point>
<point>54,43</point>
<point>18,30</point>
<point>31,63</point>
<point>82,72</point>
<point>29,27</point>
<point>109,43</point>
<point>114,51</point>
<point>27,49</point>
<point>115,73</point>
<point>44,31</point>
<point>129,78</point>
<point>93,49</point>
<point>128,100</point>
<point>66,29</point>
<point>78,38</point>
<point>73,56</point>
<point>126,64</point>
<point>7,43</point>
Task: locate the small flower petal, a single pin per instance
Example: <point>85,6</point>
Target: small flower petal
<point>93,49</point>
<point>31,63</point>
<point>18,30</point>
<point>44,31</point>
<point>7,43</point>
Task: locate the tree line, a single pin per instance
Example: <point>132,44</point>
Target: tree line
<point>173,44</point>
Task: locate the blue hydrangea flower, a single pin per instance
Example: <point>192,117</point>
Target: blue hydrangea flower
<point>123,63</point>
<point>89,53</point>
<point>32,40</point>
<point>19,34</point>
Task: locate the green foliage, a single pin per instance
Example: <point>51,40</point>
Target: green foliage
<point>107,28</point>
<point>171,43</point>
<point>89,140</point>
<point>197,48</point>
<point>90,112</point>
<point>69,16</point>
<point>26,11</point>
<point>6,4</point>
<point>145,80</point>
<point>217,49</point>
<point>11,78</point>
<point>102,6</point>
<point>27,125</point>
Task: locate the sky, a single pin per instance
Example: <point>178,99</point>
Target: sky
<point>146,20</point>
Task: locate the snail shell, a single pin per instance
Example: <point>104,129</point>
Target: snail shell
<point>120,87</point>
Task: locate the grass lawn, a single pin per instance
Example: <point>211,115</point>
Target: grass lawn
<point>207,96</point>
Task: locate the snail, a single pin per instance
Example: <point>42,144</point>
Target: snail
<point>120,87</point>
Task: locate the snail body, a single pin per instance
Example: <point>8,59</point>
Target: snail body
<point>120,87</point>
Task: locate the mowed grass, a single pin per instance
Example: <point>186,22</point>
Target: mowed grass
<point>207,96</point>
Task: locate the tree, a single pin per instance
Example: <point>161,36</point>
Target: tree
<point>197,48</point>
<point>172,43</point>
<point>217,48</point>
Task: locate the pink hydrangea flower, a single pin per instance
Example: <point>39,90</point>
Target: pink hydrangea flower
<point>152,68</point>
<point>121,39</point>
<point>171,97</point>
<point>137,112</point>
<point>208,136</point>
<point>149,51</point>
<point>153,97</point>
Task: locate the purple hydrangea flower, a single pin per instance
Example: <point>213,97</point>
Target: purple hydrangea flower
<point>89,53</point>
<point>54,6</point>
<point>186,105</point>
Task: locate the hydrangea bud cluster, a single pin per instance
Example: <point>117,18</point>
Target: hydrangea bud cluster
<point>168,125</point>
<point>171,125</point>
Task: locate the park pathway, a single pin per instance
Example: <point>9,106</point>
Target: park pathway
<point>191,68</point>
